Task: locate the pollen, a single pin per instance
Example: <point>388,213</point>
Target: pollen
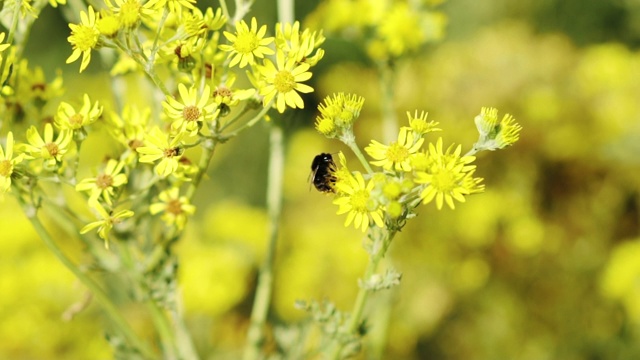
<point>444,181</point>
<point>246,42</point>
<point>5,168</point>
<point>191,113</point>
<point>397,153</point>
<point>360,201</point>
<point>76,120</point>
<point>85,38</point>
<point>284,81</point>
<point>171,152</point>
<point>174,207</point>
<point>104,181</point>
<point>52,148</point>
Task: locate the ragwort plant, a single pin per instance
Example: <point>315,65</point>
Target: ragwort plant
<point>138,202</point>
<point>139,199</point>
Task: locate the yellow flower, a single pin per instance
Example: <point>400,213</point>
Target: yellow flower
<point>299,45</point>
<point>131,128</point>
<point>159,146</point>
<point>284,82</point>
<point>55,3</point>
<point>448,177</point>
<point>3,47</point>
<point>189,113</point>
<point>45,147</point>
<point>84,37</point>
<point>7,164</point>
<point>104,184</point>
<point>108,24</point>
<point>175,6</point>
<point>247,44</point>
<point>419,125</point>
<point>175,209</point>
<point>338,113</point>
<point>495,134</point>
<point>355,200</point>
<point>129,12</point>
<point>397,154</point>
<point>106,223</point>
<point>68,119</point>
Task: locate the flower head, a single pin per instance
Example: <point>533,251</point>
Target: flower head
<point>354,199</point>
<point>107,221</point>
<point>247,43</point>
<point>84,37</point>
<point>192,109</point>
<point>175,209</point>
<point>104,184</point>
<point>338,113</point>
<point>129,12</point>
<point>160,146</point>
<point>45,147</point>
<point>7,164</point>
<point>495,134</point>
<point>397,154</point>
<point>174,6</point>
<point>448,177</point>
<point>419,124</point>
<point>68,118</point>
<point>299,45</point>
<point>284,82</point>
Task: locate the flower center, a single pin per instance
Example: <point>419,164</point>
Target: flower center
<point>443,181</point>
<point>284,81</point>
<point>76,121</point>
<point>397,153</point>
<point>223,92</point>
<point>191,113</point>
<point>245,43</point>
<point>5,168</point>
<point>52,148</point>
<point>85,37</point>
<point>171,152</point>
<point>174,207</point>
<point>135,143</point>
<point>360,200</point>
<point>104,181</point>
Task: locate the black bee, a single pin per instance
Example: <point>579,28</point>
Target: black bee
<point>322,172</point>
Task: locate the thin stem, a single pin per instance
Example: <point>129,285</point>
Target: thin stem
<point>356,150</point>
<point>208,149</point>
<point>249,123</point>
<point>159,319</point>
<point>363,294</point>
<point>109,307</point>
<point>262,301</point>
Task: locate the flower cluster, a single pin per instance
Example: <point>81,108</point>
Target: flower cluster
<point>201,110</point>
<point>407,172</point>
<point>385,29</point>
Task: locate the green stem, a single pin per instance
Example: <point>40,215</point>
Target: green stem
<point>356,150</point>
<point>363,294</point>
<point>255,336</point>
<point>208,149</point>
<point>159,319</point>
<point>109,307</point>
<point>248,124</point>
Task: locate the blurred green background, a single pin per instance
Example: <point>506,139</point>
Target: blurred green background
<point>544,265</point>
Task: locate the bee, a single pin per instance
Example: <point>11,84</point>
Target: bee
<point>322,173</point>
